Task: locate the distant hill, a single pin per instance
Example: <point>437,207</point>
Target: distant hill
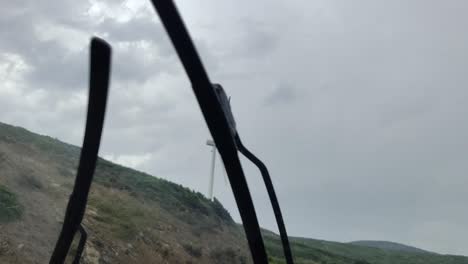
<point>133,217</point>
<point>386,245</point>
<point>313,251</point>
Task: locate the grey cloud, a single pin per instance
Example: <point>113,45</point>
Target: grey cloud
<point>49,62</point>
<point>378,140</point>
<point>258,41</point>
<point>142,28</point>
<point>283,94</point>
<point>54,65</point>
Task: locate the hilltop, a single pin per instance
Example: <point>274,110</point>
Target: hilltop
<point>386,245</point>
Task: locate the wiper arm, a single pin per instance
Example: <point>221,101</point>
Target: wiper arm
<point>81,244</point>
<point>225,104</point>
<point>98,89</point>
<point>217,122</point>
<point>273,199</point>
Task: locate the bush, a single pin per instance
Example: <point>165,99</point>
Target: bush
<point>30,181</point>
<point>10,209</point>
<point>192,250</point>
<point>173,197</point>
<point>221,212</point>
<point>120,217</point>
<point>226,255</point>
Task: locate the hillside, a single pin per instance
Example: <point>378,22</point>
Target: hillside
<point>386,245</point>
<point>133,217</point>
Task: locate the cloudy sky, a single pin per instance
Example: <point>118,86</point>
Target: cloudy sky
<point>359,109</point>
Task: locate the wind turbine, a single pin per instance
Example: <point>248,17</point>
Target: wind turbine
<point>211,143</point>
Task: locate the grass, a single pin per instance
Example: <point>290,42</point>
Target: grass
<point>120,216</point>
<point>66,153</point>
<point>30,181</point>
<point>226,255</point>
<point>173,197</point>
<point>10,209</point>
<point>193,250</point>
<point>308,251</point>
<point>304,254</point>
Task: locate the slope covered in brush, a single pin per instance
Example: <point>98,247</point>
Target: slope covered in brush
<point>132,217</point>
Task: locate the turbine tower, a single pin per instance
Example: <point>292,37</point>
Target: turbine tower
<point>210,142</point>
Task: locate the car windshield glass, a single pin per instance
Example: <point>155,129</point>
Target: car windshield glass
<point>347,122</point>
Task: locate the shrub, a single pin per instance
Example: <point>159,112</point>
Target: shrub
<point>192,250</point>
<point>10,209</point>
<point>221,212</point>
<point>120,217</point>
<point>173,197</point>
<point>226,255</point>
<point>30,181</point>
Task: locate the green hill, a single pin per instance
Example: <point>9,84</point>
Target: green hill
<point>308,251</point>
<point>386,245</point>
<point>133,217</point>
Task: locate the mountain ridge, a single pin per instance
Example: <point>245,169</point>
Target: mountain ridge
<point>388,245</point>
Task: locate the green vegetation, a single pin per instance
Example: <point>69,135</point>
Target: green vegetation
<point>304,254</point>
<point>120,216</point>
<point>173,197</point>
<point>386,245</point>
<point>227,255</point>
<point>307,251</point>
<point>10,209</point>
<point>67,154</point>
<point>194,251</point>
<point>30,181</point>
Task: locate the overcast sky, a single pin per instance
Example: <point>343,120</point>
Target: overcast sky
<point>359,108</point>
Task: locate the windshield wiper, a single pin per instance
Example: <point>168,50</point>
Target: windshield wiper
<point>216,121</point>
<point>218,116</point>
<point>225,103</point>
<point>273,199</point>
<point>81,244</point>
<point>98,90</point>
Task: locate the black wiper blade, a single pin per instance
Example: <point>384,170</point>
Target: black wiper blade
<point>98,90</point>
<point>217,122</point>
